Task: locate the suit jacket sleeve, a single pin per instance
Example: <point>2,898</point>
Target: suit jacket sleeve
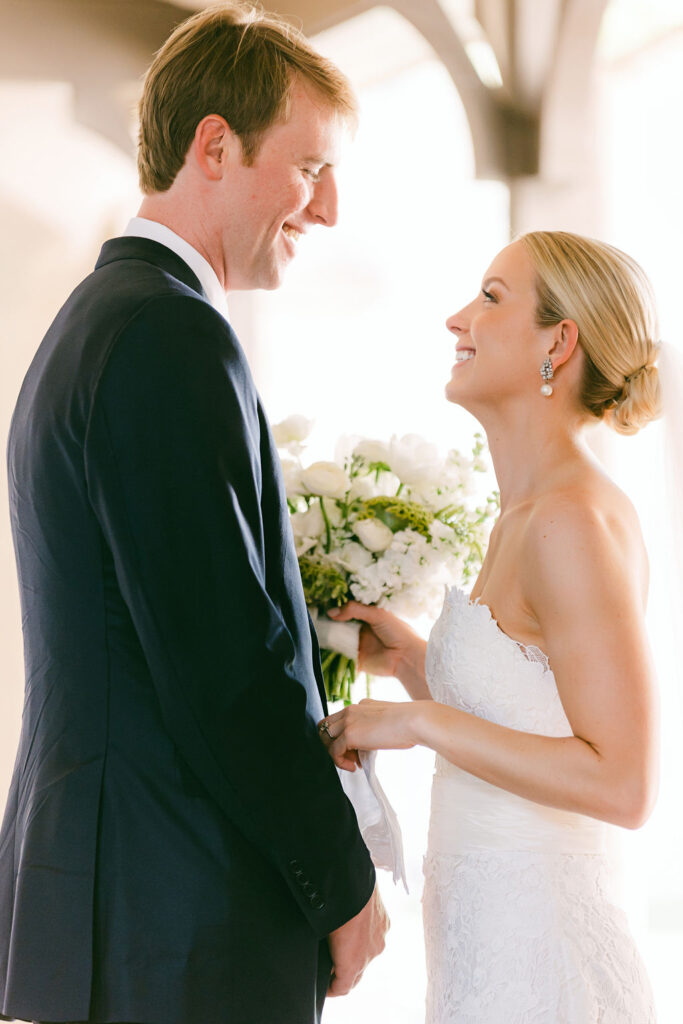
<point>174,474</point>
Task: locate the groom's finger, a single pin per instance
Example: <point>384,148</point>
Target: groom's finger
<point>341,985</point>
<point>344,755</point>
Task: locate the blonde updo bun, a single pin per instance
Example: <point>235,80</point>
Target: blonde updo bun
<point>610,299</point>
<point>640,402</point>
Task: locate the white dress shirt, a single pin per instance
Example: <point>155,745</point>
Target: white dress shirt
<point>141,227</point>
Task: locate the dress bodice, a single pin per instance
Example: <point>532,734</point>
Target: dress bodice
<point>473,665</point>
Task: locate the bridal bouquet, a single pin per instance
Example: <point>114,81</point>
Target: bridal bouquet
<point>385,523</point>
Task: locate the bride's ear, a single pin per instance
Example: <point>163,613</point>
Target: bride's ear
<point>565,340</point>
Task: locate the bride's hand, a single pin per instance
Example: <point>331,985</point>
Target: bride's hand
<point>386,642</point>
<point>370,725</point>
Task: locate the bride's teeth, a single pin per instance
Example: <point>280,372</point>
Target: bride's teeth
<point>291,232</point>
<point>463,355</point>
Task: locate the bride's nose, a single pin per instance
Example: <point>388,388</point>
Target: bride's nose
<point>457,323</point>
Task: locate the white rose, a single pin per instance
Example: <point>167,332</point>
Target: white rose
<point>304,545</point>
<point>334,513</point>
<point>372,451</point>
<point>354,557</point>
<point>326,479</point>
<point>309,523</point>
<point>292,430</point>
<point>363,487</point>
<point>413,459</point>
<point>375,535</point>
<point>291,472</point>
<point>387,483</point>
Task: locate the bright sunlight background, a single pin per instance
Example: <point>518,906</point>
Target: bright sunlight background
<point>356,340</point>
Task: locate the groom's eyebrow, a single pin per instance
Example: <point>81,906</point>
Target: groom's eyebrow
<point>491,280</point>
<point>318,160</point>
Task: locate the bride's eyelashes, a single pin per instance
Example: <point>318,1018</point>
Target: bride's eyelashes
<point>488,296</point>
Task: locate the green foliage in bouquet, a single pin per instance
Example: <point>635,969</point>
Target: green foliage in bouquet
<point>389,523</point>
<point>397,514</point>
<point>325,586</point>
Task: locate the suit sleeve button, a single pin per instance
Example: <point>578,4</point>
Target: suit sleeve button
<point>309,889</point>
<point>317,903</point>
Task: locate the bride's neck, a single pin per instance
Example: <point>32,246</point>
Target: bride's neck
<point>527,456</point>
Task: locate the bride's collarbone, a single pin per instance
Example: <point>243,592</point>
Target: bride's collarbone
<point>499,588</point>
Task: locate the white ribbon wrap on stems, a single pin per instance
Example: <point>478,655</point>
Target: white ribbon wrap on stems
<point>341,637</point>
<point>377,819</point>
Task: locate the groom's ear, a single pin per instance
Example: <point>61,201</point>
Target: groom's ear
<point>214,145</point>
<point>565,340</point>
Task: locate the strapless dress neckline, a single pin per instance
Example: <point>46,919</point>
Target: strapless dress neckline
<point>530,651</point>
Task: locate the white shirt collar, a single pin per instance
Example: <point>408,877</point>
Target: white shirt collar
<point>141,227</point>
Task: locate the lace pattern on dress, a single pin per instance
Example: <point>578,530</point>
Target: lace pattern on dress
<point>526,934</point>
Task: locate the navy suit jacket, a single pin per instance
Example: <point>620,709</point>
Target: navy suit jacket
<point>176,844</point>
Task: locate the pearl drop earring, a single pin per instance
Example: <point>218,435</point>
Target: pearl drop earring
<point>547,374</point>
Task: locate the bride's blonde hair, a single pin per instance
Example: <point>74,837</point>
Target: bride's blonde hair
<point>611,301</point>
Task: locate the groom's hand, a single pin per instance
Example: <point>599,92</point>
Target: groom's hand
<point>355,944</point>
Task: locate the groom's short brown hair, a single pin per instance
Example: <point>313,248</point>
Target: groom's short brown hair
<point>234,60</point>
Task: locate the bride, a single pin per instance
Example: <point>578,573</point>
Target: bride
<point>537,692</point>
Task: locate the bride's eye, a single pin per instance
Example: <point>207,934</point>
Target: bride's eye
<point>488,296</point>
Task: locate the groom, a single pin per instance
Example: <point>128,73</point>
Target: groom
<point>177,848</point>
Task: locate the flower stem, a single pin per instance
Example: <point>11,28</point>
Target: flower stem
<point>328,530</point>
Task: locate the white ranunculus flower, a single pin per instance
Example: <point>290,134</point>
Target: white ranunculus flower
<point>386,483</point>
<point>326,479</point>
<point>291,472</point>
<point>293,430</point>
<point>344,448</point>
<point>334,513</point>
<point>372,451</point>
<point>309,523</point>
<point>375,535</point>
<point>363,487</point>
<point>413,459</point>
<point>305,544</point>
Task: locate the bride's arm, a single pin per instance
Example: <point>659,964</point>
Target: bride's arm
<point>583,581</point>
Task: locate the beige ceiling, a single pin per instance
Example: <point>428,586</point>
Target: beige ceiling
<point>542,50</point>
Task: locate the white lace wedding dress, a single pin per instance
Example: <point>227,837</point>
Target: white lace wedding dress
<point>519,924</point>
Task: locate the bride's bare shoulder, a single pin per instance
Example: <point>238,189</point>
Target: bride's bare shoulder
<point>584,523</point>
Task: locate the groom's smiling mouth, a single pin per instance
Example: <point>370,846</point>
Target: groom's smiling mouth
<point>293,233</point>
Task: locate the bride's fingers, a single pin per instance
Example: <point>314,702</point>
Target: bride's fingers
<point>331,731</point>
<point>356,610</point>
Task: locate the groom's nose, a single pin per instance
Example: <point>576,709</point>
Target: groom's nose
<point>323,206</point>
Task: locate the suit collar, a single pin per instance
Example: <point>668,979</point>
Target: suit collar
<point>133,248</point>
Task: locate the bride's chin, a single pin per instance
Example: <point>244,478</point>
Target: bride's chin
<point>453,393</point>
